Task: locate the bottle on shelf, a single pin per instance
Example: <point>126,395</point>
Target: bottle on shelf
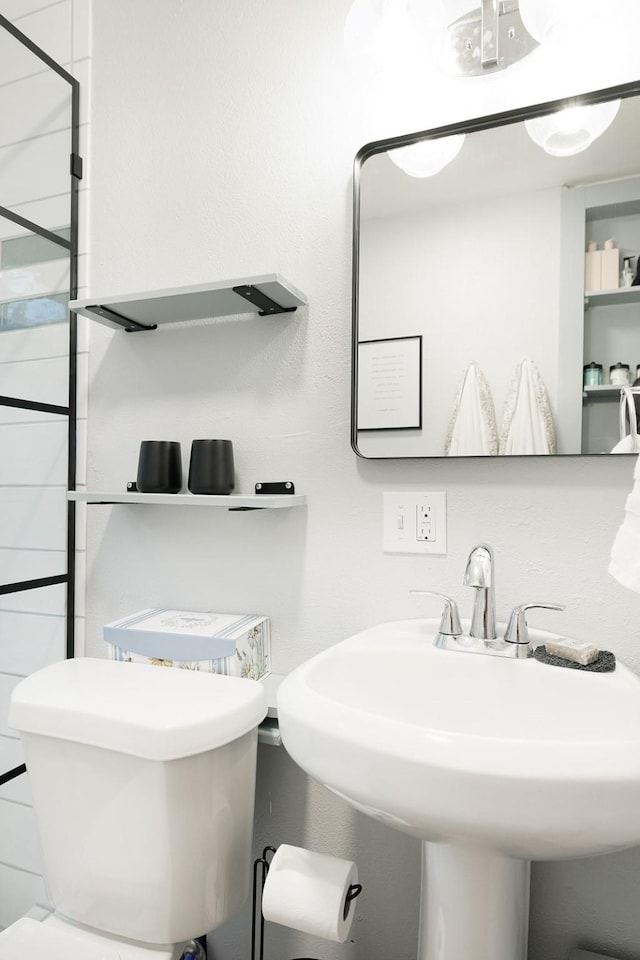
<point>593,267</point>
<point>610,275</point>
<point>628,275</point>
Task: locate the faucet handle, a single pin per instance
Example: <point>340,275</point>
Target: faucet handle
<point>517,631</point>
<point>450,622</point>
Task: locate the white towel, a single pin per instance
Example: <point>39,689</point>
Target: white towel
<point>527,422</point>
<point>629,442</point>
<point>472,428</point>
<point>624,565</point>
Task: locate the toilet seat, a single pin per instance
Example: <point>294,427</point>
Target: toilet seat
<point>54,939</point>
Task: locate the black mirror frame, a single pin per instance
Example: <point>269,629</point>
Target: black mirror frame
<point>621,92</point>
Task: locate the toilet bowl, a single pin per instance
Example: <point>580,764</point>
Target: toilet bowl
<point>143,783</point>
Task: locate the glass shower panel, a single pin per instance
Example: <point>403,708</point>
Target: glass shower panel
<point>32,634</point>
<point>35,140</point>
<point>33,482</point>
<point>34,280</point>
<point>38,216</point>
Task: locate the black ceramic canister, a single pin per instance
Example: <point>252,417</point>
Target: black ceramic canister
<point>211,469</point>
<point>159,467</point>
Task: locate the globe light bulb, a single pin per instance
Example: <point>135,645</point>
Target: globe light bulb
<point>573,129</point>
<point>428,157</point>
<point>541,17</point>
<point>563,19</point>
<point>389,35</point>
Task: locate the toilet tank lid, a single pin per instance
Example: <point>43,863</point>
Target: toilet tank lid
<point>158,713</point>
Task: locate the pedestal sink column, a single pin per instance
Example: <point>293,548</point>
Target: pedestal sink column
<point>475,904</point>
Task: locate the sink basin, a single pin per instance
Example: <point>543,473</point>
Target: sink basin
<point>488,760</point>
<point>538,761</point>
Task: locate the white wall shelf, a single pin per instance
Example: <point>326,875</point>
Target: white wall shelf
<point>606,298</point>
<point>232,501</point>
<point>600,391</point>
<point>267,295</point>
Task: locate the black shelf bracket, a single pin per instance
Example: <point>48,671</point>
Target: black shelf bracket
<point>130,326</point>
<point>268,489</point>
<point>268,307</point>
<point>279,487</point>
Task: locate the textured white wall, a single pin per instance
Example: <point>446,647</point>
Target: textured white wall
<point>223,141</point>
<point>502,321</point>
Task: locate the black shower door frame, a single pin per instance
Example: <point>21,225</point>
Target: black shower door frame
<point>70,411</point>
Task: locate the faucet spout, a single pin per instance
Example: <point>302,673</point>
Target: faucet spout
<point>480,574</point>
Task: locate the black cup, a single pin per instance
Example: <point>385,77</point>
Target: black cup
<point>159,467</point>
<point>211,467</point>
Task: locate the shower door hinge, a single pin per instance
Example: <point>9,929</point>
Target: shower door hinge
<point>76,166</point>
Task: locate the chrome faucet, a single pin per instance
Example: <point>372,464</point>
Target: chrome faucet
<point>482,638</point>
<point>480,574</point>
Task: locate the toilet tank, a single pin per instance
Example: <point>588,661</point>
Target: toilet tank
<point>143,782</point>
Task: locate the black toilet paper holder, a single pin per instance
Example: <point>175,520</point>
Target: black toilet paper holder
<point>260,871</point>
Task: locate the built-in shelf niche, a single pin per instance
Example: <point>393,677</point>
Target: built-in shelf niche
<point>601,391</point>
<point>608,298</point>
<point>609,324</point>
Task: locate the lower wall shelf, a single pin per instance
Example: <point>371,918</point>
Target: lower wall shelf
<point>232,501</point>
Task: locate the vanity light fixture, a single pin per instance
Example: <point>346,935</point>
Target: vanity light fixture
<point>428,157</point>
<point>482,37</point>
<point>572,130</point>
<point>465,38</point>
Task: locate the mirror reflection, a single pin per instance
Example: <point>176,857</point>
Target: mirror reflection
<point>497,286</point>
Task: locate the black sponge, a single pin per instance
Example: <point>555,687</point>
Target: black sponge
<point>605,663</point>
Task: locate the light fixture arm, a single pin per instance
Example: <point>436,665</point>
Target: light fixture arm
<point>489,33</point>
<point>485,39</point>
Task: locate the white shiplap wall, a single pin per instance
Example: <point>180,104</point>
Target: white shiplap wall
<point>34,147</point>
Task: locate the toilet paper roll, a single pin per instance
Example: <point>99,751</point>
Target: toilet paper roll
<point>308,891</point>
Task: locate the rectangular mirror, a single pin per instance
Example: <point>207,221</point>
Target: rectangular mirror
<point>496,284</point>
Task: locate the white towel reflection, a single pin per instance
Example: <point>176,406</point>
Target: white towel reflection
<point>527,422</point>
<point>625,552</point>
<point>472,428</point>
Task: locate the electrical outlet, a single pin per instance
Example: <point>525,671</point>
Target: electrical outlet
<point>415,522</point>
<point>425,521</point>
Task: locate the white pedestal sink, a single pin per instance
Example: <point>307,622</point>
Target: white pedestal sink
<point>491,762</point>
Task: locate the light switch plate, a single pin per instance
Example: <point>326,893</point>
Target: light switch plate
<point>414,522</point>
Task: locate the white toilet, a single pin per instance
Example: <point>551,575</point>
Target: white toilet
<point>143,782</point>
